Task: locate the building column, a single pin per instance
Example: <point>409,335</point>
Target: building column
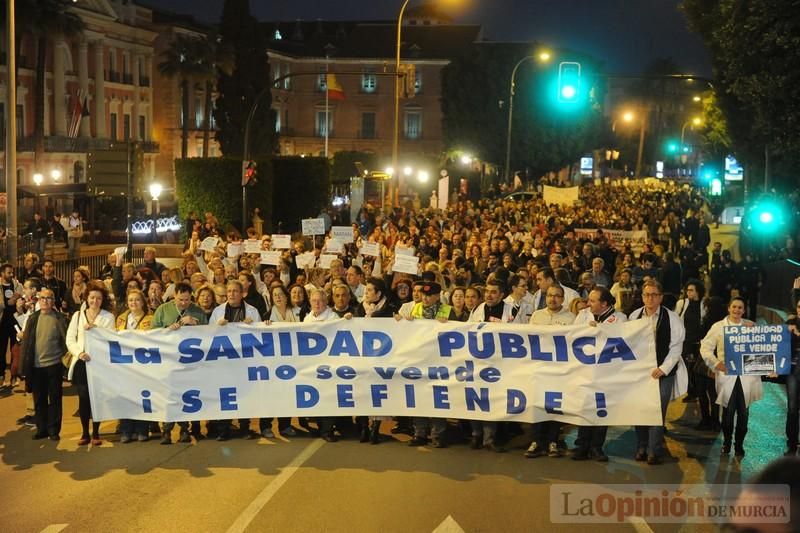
<point>59,89</point>
<point>83,81</point>
<point>148,71</point>
<point>99,91</point>
<point>136,97</point>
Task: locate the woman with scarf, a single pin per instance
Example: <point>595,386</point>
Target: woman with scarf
<point>376,304</point>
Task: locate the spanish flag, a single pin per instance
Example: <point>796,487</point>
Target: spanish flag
<point>335,91</point>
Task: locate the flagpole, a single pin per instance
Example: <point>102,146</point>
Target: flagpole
<point>327,110</point>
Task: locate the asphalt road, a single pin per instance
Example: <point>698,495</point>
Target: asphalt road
<point>305,484</point>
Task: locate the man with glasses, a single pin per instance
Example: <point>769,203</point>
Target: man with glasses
<point>43,344</point>
<point>520,299</point>
<point>545,434</point>
<point>175,314</point>
<point>669,333</point>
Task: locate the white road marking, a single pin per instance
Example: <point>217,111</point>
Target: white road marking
<point>639,524</point>
<point>448,525</point>
<point>54,528</point>
<point>252,510</point>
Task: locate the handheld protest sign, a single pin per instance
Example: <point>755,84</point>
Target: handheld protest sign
<point>757,350</point>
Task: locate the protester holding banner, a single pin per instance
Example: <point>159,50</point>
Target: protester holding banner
<point>175,314</point>
<point>493,309</point>
<point>734,393</point>
<point>235,309</point>
<point>793,386</point>
<point>669,334</point>
<point>544,435</point>
<point>430,308</point>
<point>96,314</point>
<point>600,311</point>
<point>136,317</point>
<point>281,311</point>
<point>320,312</point>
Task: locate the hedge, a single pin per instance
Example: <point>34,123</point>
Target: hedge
<point>301,189</point>
<point>215,185</point>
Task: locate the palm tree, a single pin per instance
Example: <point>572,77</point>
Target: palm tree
<point>44,19</point>
<point>180,60</point>
<point>214,57</point>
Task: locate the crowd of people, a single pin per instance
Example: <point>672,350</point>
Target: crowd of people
<point>494,260</point>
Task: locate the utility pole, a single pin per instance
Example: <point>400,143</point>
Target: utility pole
<point>11,136</point>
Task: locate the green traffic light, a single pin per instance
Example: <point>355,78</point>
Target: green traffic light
<point>767,217</point>
<point>569,82</point>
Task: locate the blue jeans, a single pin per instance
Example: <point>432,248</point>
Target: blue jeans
<point>651,438</point>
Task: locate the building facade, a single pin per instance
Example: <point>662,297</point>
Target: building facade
<point>99,88</point>
<point>361,57</point>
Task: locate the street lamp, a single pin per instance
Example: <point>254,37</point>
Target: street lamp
<point>627,116</point>
<point>407,171</point>
<point>695,121</point>
<point>423,176</point>
<point>55,174</point>
<point>155,192</point>
<point>396,132</point>
<point>38,178</point>
<point>466,159</point>
<point>542,57</point>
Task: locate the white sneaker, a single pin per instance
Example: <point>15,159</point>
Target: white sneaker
<point>534,451</point>
<point>552,450</point>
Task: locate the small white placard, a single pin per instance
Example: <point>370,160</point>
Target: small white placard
<point>121,251</point>
<point>235,249</point>
<point>408,264</point>
<point>334,246</point>
<point>281,242</point>
<point>370,248</point>
<point>209,244</point>
<point>325,260</point>
<point>343,234</point>
<point>404,250</point>
<point>252,246</point>
<point>313,226</point>
<point>306,260</point>
<point>271,258</point>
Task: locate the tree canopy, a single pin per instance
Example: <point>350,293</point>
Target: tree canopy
<point>239,88</point>
<point>546,137</point>
<point>753,45</point>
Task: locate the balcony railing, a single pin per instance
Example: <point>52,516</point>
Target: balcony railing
<point>127,79</point>
<point>113,76</point>
<point>144,81</point>
<point>72,145</point>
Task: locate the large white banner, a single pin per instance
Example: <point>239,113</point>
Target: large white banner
<point>591,375</point>
<point>560,195</point>
<point>617,237</point>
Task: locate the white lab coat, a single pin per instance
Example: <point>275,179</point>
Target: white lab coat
<point>712,349</point>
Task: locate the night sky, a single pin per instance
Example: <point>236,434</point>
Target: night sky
<point>625,34</point>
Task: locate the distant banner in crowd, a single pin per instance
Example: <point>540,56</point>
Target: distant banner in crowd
<point>576,374</point>
<point>617,237</point>
<point>560,195</point>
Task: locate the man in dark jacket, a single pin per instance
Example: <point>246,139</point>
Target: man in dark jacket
<point>43,344</point>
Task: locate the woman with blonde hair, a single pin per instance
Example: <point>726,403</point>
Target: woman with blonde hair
<point>136,317</point>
